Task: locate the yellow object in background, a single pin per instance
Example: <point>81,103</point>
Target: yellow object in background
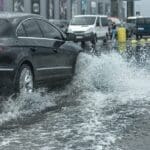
<point>122,47</point>
<point>133,41</point>
<point>148,40</point>
<point>121,33</point>
<point>142,42</point>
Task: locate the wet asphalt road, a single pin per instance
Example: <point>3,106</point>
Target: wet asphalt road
<point>105,107</point>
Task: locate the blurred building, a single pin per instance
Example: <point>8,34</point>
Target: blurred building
<point>130,8</point>
<point>63,9</point>
<point>117,9</point>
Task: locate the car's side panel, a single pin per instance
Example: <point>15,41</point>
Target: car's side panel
<point>49,58</point>
<point>61,60</point>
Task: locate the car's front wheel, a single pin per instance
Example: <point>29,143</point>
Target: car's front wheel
<point>25,82</point>
<point>94,40</point>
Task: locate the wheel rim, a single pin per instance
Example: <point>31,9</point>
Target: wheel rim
<point>26,80</point>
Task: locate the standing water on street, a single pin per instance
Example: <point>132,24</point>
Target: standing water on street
<point>107,100</point>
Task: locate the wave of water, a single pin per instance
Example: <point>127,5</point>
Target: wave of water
<point>15,108</point>
<point>112,92</point>
<point>110,73</point>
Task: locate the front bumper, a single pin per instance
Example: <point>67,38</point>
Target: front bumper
<point>84,36</point>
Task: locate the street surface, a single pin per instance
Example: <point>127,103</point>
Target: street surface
<point>105,107</point>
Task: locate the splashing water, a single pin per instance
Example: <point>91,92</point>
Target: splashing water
<point>112,95</point>
<point>110,73</point>
<point>114,88</point>
<point>26,104</point>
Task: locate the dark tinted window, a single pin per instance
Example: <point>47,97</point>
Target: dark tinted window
<point>147,21</point>
<point>131,21</point>
<point>104,21</point>
<point>140,21</point>
<point>83,21</point>
<point>143,21</point>
<point>49,31</point>
<point>32,29</point>
<point>6,29</point>
<point>20,31</point>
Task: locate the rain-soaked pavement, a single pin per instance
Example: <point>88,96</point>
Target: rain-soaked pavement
<point>105,107</point>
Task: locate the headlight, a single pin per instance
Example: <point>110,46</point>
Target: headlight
<point>70,30</point>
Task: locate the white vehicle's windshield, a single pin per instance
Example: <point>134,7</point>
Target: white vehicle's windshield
<point>83,20</point>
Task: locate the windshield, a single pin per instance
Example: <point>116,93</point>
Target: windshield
<point>143,21</point>
<point>83,21</point>
<point>131,21</point>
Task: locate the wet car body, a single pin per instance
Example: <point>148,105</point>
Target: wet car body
<point>62,24</point>
<point>32,41</point>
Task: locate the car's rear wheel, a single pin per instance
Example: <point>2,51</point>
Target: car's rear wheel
<point>25,82</point>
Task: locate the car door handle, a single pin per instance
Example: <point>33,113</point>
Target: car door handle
<point>55,50</point>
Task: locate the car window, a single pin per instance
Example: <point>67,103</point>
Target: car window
<point>21,31</point>
<point>147,20</point>
<point>104,21</point>
<point>49,31</point>
<point>131,21</point>
<point>83,21</point>
<point>140,21</point>
<point>6,29</point>
<point>32,29</point>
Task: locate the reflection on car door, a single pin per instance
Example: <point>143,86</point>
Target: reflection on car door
<point>35,42</point>
<point>60,63</point>
<point>104,22</point>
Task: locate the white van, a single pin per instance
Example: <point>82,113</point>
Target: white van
<point>89,27</point>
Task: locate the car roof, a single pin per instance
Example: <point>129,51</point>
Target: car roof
<point>15,17</point>
<point>90,16</point>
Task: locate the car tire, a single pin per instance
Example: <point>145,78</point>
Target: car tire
<point>94,40</point>
<point>83,44</point>
<point>25,80</point>
<point>105,39</point>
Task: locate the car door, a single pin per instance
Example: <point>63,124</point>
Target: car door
<point>34,43</point>
<point>104,27</point>
<point>59,58</point>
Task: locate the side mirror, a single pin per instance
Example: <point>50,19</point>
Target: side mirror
<point>71,36</point>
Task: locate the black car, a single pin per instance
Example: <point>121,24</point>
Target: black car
<point>33,51</point>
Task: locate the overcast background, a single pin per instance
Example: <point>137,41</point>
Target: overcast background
<point>143,6</point>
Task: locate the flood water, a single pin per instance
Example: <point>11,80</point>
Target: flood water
<point>105,107</point>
